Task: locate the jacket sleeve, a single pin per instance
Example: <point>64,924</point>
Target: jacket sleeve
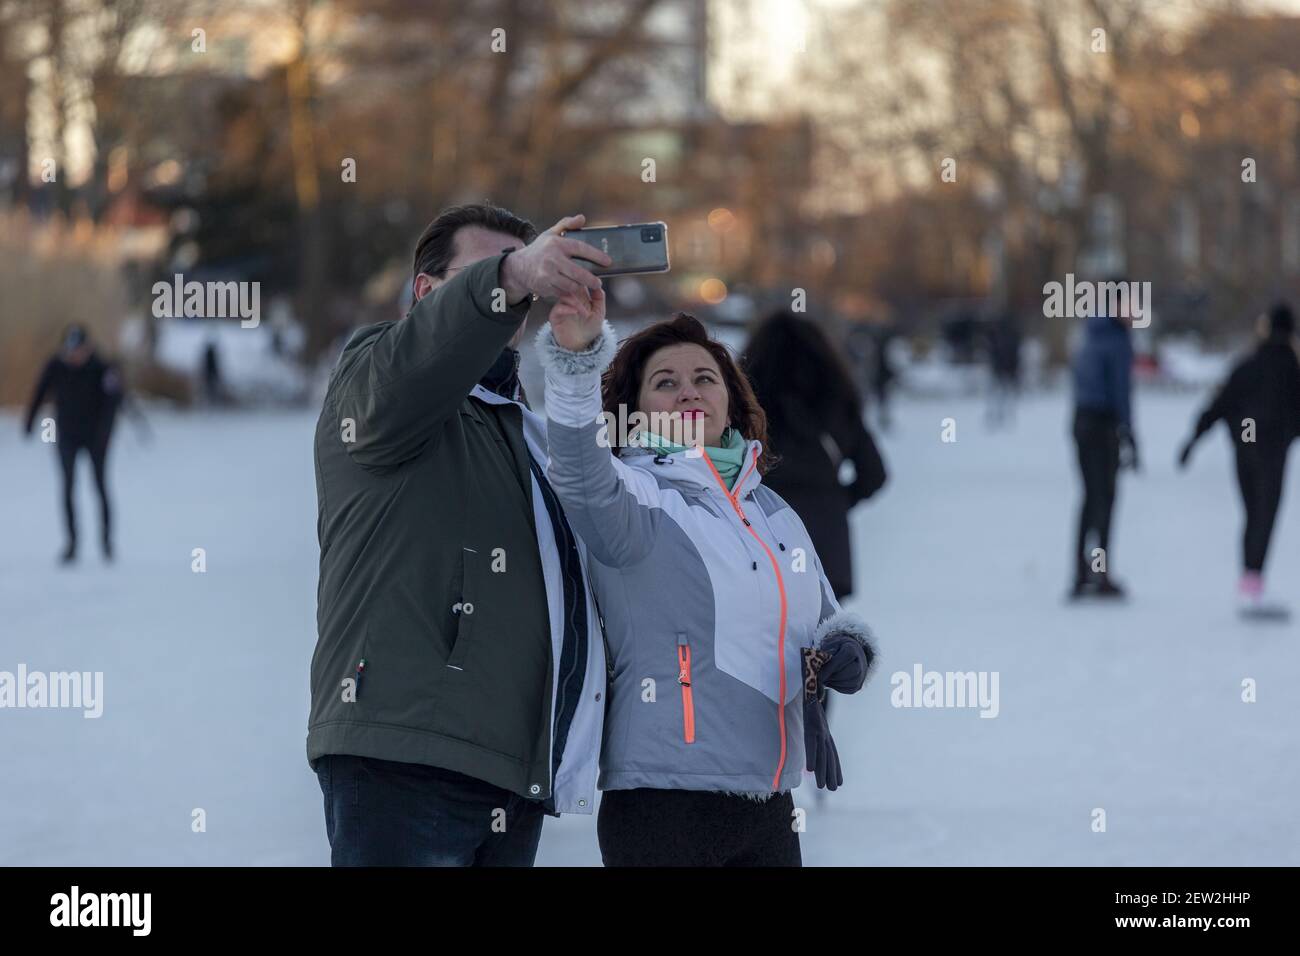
<point>861,449</point>
<point>830,604</point>
<point>400,384</point>
<point>1119,375</point>
<point>112,388</point>
<point>834,620</point>
<point>615,509</point>
<point>1219,406</point>
<point>1295,401</point>
<point>1216,410</point>
<point>38,394</point>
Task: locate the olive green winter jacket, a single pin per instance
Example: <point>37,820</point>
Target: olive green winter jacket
<point>437,643</point>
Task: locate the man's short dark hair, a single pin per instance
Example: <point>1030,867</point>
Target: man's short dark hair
<point>437,245</point>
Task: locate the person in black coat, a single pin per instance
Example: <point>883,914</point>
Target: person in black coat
<point>814,423</point>
<point>86,391</point>
<point>1260,405</point>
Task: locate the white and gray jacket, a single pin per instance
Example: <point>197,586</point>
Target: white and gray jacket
<point>708,598</point>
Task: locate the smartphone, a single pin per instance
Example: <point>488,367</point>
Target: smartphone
<point>637,248</point>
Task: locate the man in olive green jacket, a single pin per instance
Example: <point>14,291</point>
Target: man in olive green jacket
<point>457,687</point>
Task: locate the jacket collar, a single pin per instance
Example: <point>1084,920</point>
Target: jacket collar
<point>696,470</point>
<point>503,377</point>
<point>534,424</point>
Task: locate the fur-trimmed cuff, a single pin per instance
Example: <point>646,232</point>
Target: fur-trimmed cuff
<point>850,625</point>
<point>559,360</point>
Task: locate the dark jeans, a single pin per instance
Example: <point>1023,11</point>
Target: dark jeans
<point>1260,474</point>
<point>385,813</point>
<point>97,447</point>
<point>696,828</point>
<point>1096,436</point>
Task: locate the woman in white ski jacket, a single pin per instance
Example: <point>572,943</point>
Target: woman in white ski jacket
<point>722,630</point>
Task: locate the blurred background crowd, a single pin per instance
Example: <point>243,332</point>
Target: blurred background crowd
<point>917,170</point>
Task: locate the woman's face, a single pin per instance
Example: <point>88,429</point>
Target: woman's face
<point>684,395</point>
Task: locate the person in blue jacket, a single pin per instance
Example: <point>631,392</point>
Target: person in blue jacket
<point>1103,436</point>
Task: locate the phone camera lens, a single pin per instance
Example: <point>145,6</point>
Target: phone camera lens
<point>651,234</point>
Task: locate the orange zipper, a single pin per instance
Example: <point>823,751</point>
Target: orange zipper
<point>688,699</point>
<point>780,584</point>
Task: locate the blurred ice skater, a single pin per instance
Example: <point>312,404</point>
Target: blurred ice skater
<point>1103,436</point>
<point>1260,404</point>
<point>1004,340</point>
<point>86,392</point>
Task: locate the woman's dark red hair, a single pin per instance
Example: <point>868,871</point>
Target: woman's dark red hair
<point>621,384</point>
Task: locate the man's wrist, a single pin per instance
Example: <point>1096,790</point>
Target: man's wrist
<point>507,275</point>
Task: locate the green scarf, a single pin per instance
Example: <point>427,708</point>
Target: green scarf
<point>726,459</point>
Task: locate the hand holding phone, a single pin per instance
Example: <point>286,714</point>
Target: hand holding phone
<point>549,265</point>
<point>633,249</point>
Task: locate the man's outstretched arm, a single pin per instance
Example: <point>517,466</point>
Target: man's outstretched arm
<point>400,383</point>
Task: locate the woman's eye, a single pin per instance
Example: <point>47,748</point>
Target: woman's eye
<point>709,379</point>
<point>664,381</point>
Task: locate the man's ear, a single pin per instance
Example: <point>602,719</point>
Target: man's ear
<point>423,285</point>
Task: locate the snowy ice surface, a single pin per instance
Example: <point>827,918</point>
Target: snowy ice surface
<point>962,564</point>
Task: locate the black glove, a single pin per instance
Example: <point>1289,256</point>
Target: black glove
<point>1128,449</point>
<point>821,756</point>
<point>846,669</point>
